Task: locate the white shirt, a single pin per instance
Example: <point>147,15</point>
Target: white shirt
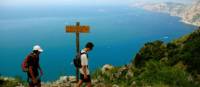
<point>84,62</point>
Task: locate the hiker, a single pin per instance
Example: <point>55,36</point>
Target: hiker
<point>32,65</point>
<point>84,71</point>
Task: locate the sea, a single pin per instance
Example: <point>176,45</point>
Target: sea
<point>118,33</point>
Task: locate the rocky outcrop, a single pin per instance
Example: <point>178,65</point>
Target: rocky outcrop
<point>106,70</point>
<point>106,67</point>
<point>10,82</point>
<point>192,14</point>
<point>63,81</point>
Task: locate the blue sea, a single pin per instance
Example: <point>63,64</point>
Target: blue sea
<point>117,33</point>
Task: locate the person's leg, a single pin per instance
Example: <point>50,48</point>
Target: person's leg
<point>39,83</point>
<point>31,84</point>
<point>88,80</point>
<point>89,84</point>
<point>79,83</point>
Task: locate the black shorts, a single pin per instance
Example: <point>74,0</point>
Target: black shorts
<point>85,80</point>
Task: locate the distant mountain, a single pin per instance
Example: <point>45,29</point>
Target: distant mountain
<point>190,13</point>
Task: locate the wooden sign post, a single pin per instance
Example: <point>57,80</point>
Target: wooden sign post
<point>77,29</point>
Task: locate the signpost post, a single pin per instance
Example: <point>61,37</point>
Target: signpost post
<point>77,29</point>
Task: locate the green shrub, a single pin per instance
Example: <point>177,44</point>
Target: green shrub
<point>158,73</point>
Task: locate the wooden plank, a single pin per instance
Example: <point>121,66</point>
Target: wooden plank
<point>70,29</point>
<point>84,29</point>
<point>81,29</point>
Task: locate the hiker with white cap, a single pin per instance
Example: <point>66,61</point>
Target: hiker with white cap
<point>31,66</point>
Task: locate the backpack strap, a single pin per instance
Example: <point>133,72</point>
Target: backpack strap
<point>84,53</point>
<point>25,62</point>
<point>29,59</point>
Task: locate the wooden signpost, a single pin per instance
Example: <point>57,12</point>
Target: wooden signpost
<point>77,29</point>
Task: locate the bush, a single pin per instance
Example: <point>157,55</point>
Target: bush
<point>153,50</point>
<point>157,73</point>
<point>191,51</point>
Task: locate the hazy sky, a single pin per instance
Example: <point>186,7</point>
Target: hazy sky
<point>62,2</point>
<point>73,2</point>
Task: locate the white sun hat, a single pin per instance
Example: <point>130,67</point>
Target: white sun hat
<point>38,48</point>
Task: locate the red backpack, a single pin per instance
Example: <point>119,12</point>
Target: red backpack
<point>25,64</point>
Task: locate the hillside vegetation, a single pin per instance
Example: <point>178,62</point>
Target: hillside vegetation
<point>159,64</point>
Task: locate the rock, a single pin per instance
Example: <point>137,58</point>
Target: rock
<point>115,85</point>
<point>129,74</point>
<point>72,78</point>
<point>106,68</point>
<point>100,79</point>
<point>5,78</point>
<point>63,81</point>
<point>190,78</point>
<point>95,81</point>
<point>100,85</point>
<point>20,85</point>
<point>117,75</point>
<point>133,84</point>
<point>63,78</point>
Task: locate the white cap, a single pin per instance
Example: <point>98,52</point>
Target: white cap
<point>38,48</point>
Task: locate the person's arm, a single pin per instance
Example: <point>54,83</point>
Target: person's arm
<point>41,72</point>
<point>84,71</point>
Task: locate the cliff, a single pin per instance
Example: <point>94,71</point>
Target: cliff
<point>190,13</point>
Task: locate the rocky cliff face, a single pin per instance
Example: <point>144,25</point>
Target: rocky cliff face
<point>190,13</point>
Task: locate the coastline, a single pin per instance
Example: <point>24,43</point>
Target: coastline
<point>190,23</point>
<point>189,14</point>
<point>197,24</point>
<point>185,21</point>
<point>181,18</point>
